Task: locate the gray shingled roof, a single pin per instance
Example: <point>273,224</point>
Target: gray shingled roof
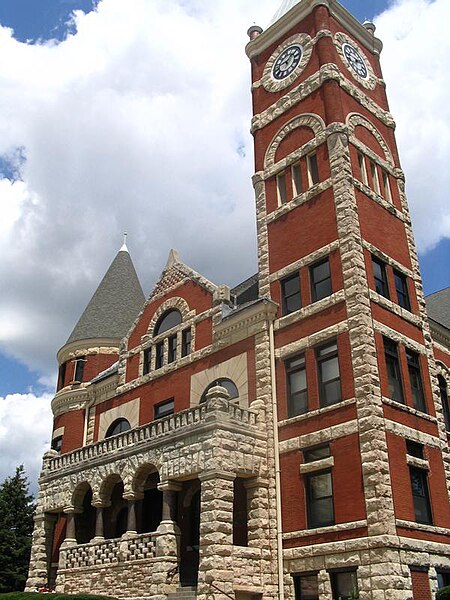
<point>115,304</point>
<point>438,307</point>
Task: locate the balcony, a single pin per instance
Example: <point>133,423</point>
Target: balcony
<point>214,414</point>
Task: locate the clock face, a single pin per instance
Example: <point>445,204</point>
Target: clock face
<point>355,60</point>
<point>288,60</point>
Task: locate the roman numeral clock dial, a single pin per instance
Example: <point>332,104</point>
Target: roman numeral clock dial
<point>287,62</point>
<point>355,61</point>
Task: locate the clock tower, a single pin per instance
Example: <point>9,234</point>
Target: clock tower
<point>363,456</point>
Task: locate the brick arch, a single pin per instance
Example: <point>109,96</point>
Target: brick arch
<point>355,120</point>
<point>307,120</point>
<point>176,303</point>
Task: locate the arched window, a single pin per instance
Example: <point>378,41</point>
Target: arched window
<point>444,399</point>
<point>118,426</point>
<point>169,319</point>
<point>229,385</point>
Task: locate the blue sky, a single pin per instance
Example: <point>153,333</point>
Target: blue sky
<point>91,111</point>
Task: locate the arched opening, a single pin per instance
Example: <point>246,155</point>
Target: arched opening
<point>116,515</point>
<point>169,319</point>
<point>189,522</point>
<point>118,426</point>
<point>150,507</point>
<point>226,383</point>
<point>84,520</point>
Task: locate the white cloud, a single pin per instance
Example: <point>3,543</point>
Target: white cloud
<point>25,426</point>
<point>139,123</point>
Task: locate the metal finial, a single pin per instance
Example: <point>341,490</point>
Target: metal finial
<point>124,246</point>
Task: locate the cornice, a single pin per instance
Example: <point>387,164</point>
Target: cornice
<point>262,310</point>
<point>89,346</point>
<point>302,10</point>
<point>69,399</point>
<point>439,333</point>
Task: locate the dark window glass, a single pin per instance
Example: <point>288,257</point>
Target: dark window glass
<point>401,286</point>
<point>229,385</point>
<point>313,169</point>
<point>379,275</point>
<point>159,355</point>
<point>62,375</point>
<point>297,179</point>
<point>119,426</point>
<point>170,319</point>
<point>79,369</point>
<point>414,449</point>
<point>421,499</point>
<point>281,185</point>
<point>443,579</point>
<point>444,399</point>
<point>165,409</point>
<point>186,342</point>
<point>318,453</point>
<point>344,585</point>
<point>329,375</point>
<point>240,513</point>
<point>290,294</point>
<point>172,356</point>
<point>415,380</point>
<point>320,280</point>
<point>297,401</point>
<point>147,361</point>
<point>319,494</point>
<point>57,443</point>
<point>393,371</point>
<point>306,587</point>
<point>386,187</point>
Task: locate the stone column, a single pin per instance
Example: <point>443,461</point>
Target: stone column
<point>131,520</point>
<point>40,552</point>
<point>168,539</point>
<point>70,539</point>
<point>99,528</point>
<point>216,536</point>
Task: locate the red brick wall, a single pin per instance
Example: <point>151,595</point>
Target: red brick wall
<point>73,423</point>
<point>420,585</point>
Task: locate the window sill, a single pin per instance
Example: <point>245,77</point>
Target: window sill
<point>389,206</point>
<point>395,308</point>
<point>422,527</point>
<point>313,191</point>
<point>409,409</point>
<point>322,530</point>
<point>310,309</point>
<point>318,412</point>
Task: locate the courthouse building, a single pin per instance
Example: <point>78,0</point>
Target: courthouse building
<point>287,438</point>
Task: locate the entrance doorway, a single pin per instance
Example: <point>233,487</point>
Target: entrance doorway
<point>189,521</point>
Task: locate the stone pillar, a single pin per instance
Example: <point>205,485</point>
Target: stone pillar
<point>168,539</point>
<point>99,528</point>
<point>71,538</point>
<point>40,552</point>
<point>131,498</point>
<point>216,536</point>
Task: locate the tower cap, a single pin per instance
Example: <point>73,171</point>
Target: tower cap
<point>254,31</point>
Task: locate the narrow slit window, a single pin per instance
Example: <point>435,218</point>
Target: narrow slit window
<point>362,168</point>
<point>415,379</point>
<point>297,179</point>
<point>386,187</point>
<point>186,342</point>
<point>281,187</point>
<point>313,169</point>
<point>393,371</point>
<point>159,355</point>
<point>375,179</point>
<point>147,361</point>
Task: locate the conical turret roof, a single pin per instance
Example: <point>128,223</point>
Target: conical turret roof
<point>115,304</point>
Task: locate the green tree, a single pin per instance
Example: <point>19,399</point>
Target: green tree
<point>16,528</point>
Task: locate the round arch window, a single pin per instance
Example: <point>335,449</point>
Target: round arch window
<point>229,385</point>
<point>169,319</point>
<point>118,426</point>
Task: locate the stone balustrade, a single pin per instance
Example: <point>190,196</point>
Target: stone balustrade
<point>156,430</point>
<point>109,552</point>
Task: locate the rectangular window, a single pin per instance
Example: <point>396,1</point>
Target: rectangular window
<point>290,294</point>
<point>62,375</point>
<point>147,362</point>
<point>57,443</point>
<point>313,169</point>
<point>240,513</point>
<point>415,380</point>
<point>414,449</point>
<point>344,585</point>
<point>375,179</point>
<point>79,369</point>
<point>443,579</point>
<point>281,187</point>
<point>362,168</point>
<point>386,187</point>
<point>444,399</point>
<point>165,409</point>
<point>320,277</point>
<point>401,287</point>
<point>306,587</point>
<point>393,371</point>
<point>172,356</point>
<point>297,386</point>
<point>186,342</point>
<point>380,277</point>
<point>297,179</point>
<point>421,498</point>
<point>317,453</point>
<point>329,375</point>
<point>319,500</point>
<point>159,359</point>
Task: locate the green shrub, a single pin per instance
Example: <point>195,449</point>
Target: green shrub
<point>443,593</point>
<point>36,596</point>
